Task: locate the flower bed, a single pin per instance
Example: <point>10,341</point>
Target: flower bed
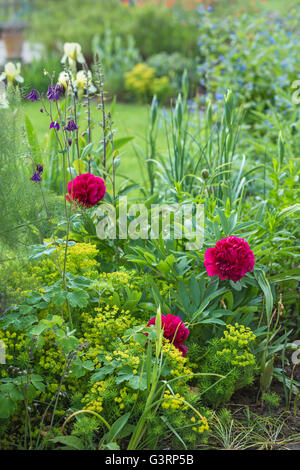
<point>134,312</point>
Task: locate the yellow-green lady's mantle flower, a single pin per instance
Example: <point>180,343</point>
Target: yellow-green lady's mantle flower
<point>12,73</point>
<point>72,52</point>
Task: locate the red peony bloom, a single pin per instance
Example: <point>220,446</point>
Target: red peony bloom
<point>231,258</point>
<point>170,325</point>
<point>86,189</point>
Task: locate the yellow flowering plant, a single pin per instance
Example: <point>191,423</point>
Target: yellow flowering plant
<point>130,367</point>
<point>231,357</point>
<point>142,82</point>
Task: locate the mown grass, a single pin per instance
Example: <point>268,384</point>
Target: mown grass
<point>129,120</point>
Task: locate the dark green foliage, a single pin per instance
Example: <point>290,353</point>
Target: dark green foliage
<point>56,22</point>
<point>85,428</point>
<point>158,29</point>
<point>173,65</point>
<point>155,28</point>
<point>117,56</point>
<point>33,73</point>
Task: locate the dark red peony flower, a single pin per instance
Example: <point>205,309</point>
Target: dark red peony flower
<point>231,258</point>
<point>87,190</point>
<point>170,325</point>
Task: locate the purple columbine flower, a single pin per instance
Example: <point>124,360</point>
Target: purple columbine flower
<point>54,125</point>
<point>51,94</point>
<point>54,92</point>
<point>36,177</point>
<point>70,142</point>
<point>72,126</point>
<point>33,95</point>
<point>37,174</point>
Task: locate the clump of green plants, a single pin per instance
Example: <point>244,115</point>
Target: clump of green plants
<point>248,57</point>
<point>117,56</point>
<point>33,78</point>
<point>173,66</point>
<point>154,27</point>
<point>271,400</point>
<point>142,83</point>
<point>231,357</point>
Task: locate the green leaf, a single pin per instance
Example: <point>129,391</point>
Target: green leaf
<point>58,297</point>
<point>138,382</point>
<point>128,189</point>
<point>33,142</point>
<point>79,165</point>
<point>78,298</point>
<point>165,266</point>
<point>37,382</point>
<point>112,446</point>
<point>25,309</point>
<point>103,372</point>
<point>88,365</point>
<point>263,283</point>
<point>7,407</point>
<point>228,299</point>
<point>116,427</point>
<point>124,374</point>
<point>141,338</point>
<point>195,291</point>
<point>267,375</point>
<point>290,274</point>
<point>288,211</point>
<point>184,295</point>
<point>116,299</point>
<point>85,151</point>
<point>165,420</point>
<point>72,442</point>
<point>80,367</point>
<point>38,329</point>
<point>213,321</point>
<point>205,303</point>
<point>68,344</point>
<point>119,143</point>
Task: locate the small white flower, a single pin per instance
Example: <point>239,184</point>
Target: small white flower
<point>72,52</point>
<point>12,73</point>
<point>64,79</point>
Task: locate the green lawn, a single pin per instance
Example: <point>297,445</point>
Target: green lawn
<point>128,120</point>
